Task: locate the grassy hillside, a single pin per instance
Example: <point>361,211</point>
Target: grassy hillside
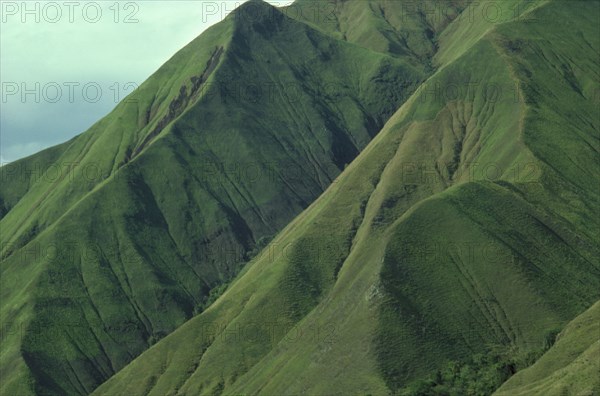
<point>121,234</point>
<point>570,367</point>
<point>402,28</point>
<point>463,234</point>
<point>460,237</point>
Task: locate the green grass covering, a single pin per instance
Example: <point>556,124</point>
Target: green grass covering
<point>570,367</point>
<point>460,236</point>
<point>128,230</point>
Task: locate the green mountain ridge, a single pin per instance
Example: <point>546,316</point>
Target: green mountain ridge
<point>463,222</point>
<point>154,207</point>
<point>365,264</point>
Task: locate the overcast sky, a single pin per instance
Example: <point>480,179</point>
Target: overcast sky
<point>65,64</point>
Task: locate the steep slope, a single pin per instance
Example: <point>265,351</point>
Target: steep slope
<point>166,198</point>
<point>467,226</point>
<point>402,28</point>
<point>570,367</point>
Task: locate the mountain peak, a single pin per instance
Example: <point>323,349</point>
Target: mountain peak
<point>253,10</point>
<point>257,15</point>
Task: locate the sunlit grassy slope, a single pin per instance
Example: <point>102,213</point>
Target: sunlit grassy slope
<point>468,226</point>
<point>402,28</point>
<point>113,239</point>
<point>570,367</point>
